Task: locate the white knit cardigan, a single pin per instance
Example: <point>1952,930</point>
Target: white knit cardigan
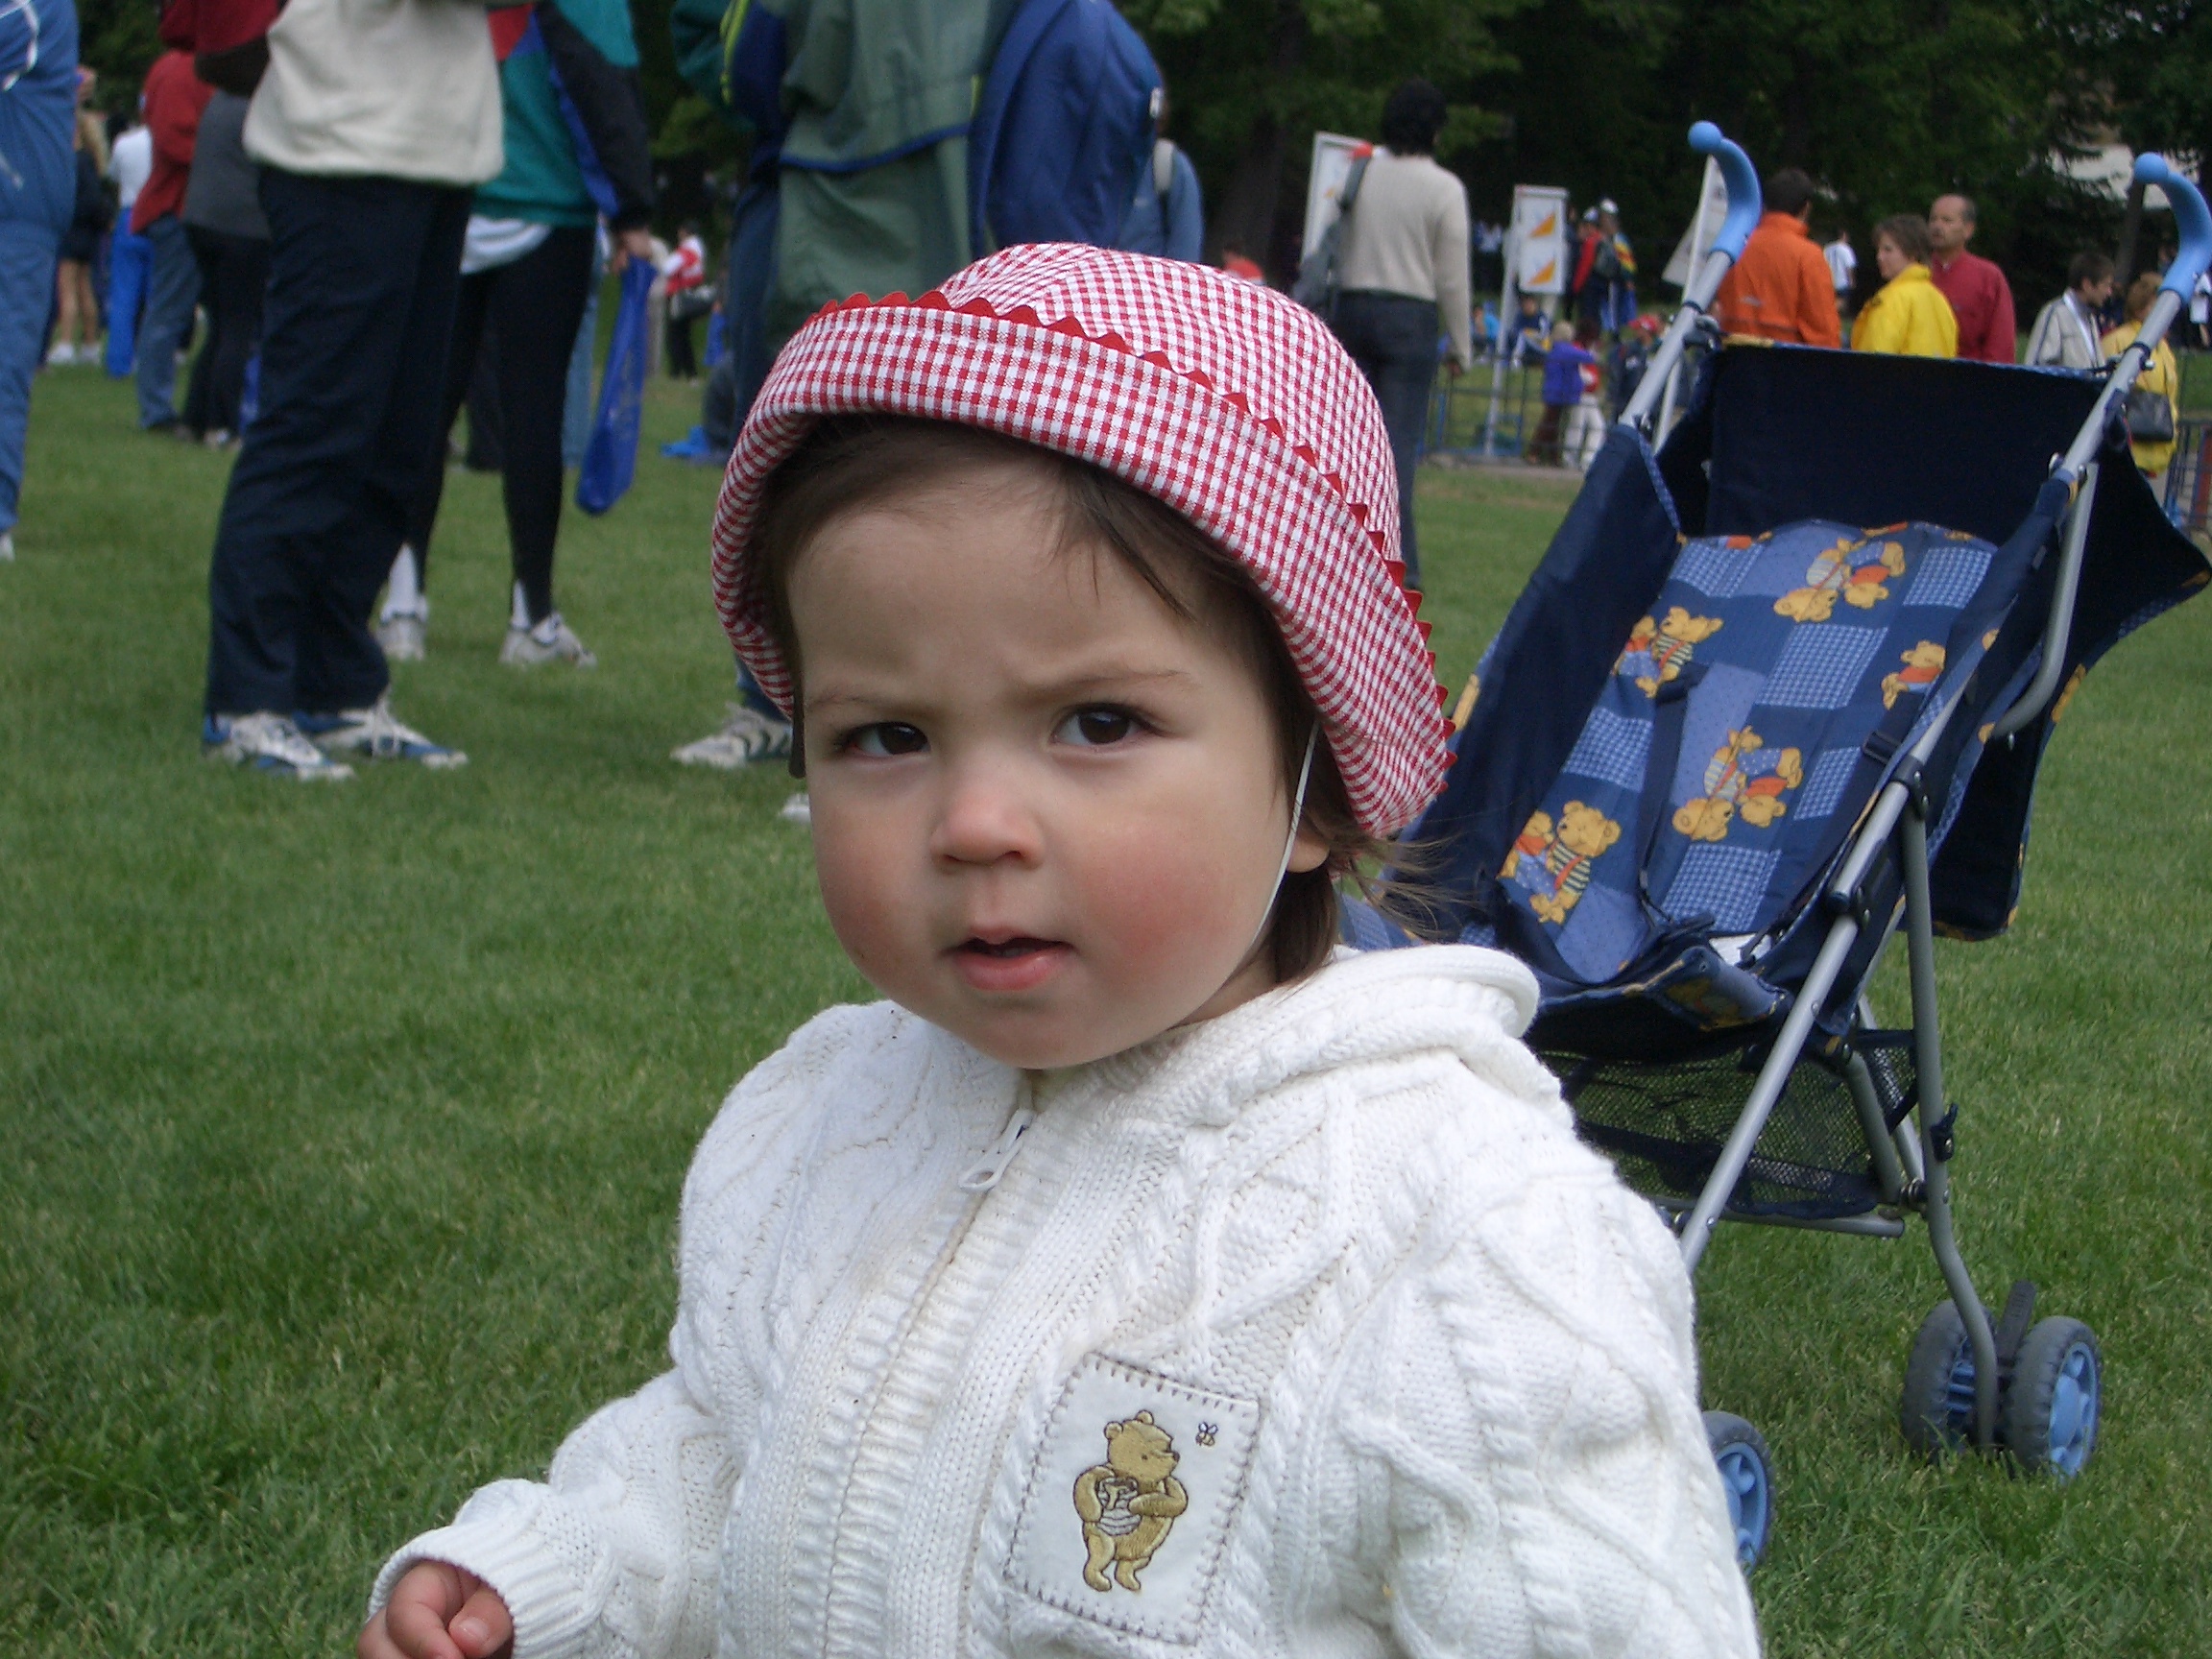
<point>1404,1367</point>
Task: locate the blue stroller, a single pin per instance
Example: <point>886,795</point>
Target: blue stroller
<point>1777,688</point>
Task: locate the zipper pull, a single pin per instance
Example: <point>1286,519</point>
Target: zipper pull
<point>983,1176</point>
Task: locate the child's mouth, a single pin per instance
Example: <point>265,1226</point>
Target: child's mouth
<point>1020,963</point>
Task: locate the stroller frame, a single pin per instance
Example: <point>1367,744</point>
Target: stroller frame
<point>1909,1161</point>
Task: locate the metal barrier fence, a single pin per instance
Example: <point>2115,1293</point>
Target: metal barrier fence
<point>2187,490</point>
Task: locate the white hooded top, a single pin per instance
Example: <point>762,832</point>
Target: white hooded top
<point>1314,1323</point>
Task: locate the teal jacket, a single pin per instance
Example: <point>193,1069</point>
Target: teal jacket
<point>554,174</point>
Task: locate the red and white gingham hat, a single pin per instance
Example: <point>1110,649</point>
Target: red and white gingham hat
<point>1224,399</point>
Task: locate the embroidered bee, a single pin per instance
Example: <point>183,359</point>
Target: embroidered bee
<point>1207,1433</point>
<point>1129,1503</point>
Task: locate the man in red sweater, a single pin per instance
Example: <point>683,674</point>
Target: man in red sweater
<point>1979,296</point>
<point>1781,288</point>
<point>175,97</point>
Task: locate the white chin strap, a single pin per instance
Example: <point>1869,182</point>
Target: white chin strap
<point>1290,841</point>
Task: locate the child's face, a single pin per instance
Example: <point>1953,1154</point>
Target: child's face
<point>1888,258</point>
<point>1046,811</point>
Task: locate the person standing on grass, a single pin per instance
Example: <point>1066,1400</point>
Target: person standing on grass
<point>1782,288</point>
<point>373,125</point>
<point>1975,289</point>
<point>1405,280</point>
<point>2068,332</point>
<point>683,278</point>
<point>1907,316</point>
<point>77,306</point>
<point>1144,1274</point>
<point>130,256</point>
<point>230,236</point>
<point>173,98</point>
<point>37,196</point>
<point>1562,388</point>
<point>1842,271</point>
<point>525,270</point>
<point>2161,377</point>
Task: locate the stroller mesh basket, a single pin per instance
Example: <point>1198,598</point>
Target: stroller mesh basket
<point>1664,1124</point>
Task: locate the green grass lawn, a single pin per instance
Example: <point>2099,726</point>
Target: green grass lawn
<point>348,1122</point>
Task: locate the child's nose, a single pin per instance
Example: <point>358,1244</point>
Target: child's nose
<point>986,818</point>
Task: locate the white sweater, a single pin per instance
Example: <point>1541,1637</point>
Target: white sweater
<point>386,89</point>
<point>1314,1322</point>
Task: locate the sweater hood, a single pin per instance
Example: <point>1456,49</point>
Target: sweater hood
<point>1457,1001</point>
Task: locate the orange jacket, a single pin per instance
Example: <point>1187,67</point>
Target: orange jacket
<point>1781,289</point>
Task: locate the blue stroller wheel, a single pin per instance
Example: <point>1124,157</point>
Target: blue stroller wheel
<point>1747,1478</point>
<point>1938,1407</point>
<point>2058,1389</point>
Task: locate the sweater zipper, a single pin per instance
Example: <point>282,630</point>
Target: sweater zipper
<point>986,1173</point>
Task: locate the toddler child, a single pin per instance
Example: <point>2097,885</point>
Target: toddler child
<point>1146,1276</point>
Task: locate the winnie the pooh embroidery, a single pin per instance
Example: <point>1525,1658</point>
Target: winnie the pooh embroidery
<point>1744,780</point>
<point>1658,650</point>
<point>1845,569</point>
<point>1128,1503</point>
<point>1923,666</point>
<point>1553,864</point>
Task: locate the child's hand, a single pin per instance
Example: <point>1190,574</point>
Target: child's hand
<point>439,1612</point>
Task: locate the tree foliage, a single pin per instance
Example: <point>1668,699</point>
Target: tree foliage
<point>1886,103</point>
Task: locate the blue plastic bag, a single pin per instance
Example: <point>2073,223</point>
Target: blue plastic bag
<point>611,457</point>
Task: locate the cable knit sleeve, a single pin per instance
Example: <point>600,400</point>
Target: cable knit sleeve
<point>616,1552</point>
<point>1531,1409</point>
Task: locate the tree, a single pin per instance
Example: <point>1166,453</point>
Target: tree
<point>1886,103</point>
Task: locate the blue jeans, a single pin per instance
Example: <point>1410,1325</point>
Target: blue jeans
<point>27,253</point>
<point>363,276</point>
<point>1393,339</point>
<point>129,266</point>
<point>174,290</point>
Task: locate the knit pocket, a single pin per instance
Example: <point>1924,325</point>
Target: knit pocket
<point>1131,1498</point>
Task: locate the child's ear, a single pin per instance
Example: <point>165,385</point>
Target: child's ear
<point>1307,852</point>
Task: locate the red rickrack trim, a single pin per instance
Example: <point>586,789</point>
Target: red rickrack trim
<point>1025,316</point>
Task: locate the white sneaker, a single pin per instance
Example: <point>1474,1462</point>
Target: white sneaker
<point>7,546</point>
<point>404,636</point>
<point>749,735</point>
<point>551,640</point>
<point>797,811</point>
<point>267,743</point>
<point>217,439</point>
<point>63,353</point>
<point>376,733</point>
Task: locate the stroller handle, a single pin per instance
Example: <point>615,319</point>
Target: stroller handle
<point>1744,203</point>
<point>2188,214</point>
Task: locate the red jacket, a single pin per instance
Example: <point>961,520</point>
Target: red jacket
<point>1982,301</point>
<point>1781,288</point>
<point>175,97</point>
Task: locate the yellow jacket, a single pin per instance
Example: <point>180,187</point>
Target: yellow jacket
<point>2162,375</point>
<point>1910,316</point>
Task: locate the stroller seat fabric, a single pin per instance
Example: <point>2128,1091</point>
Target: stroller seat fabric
<point>1738,714</point>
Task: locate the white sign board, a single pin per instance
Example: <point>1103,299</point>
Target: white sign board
<point>1538,239</point>
<point>1333,157</point>
<point>1705,229</point>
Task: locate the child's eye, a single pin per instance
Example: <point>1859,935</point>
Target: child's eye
<point>1098,727</point>
<point>884,739</point>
